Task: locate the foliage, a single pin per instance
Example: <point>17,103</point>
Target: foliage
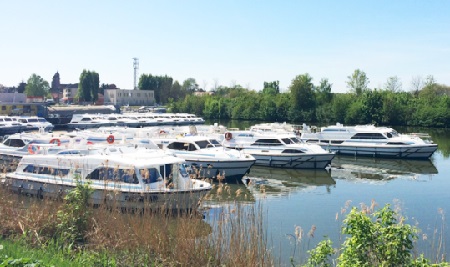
<point>271,88</point>
<point>36,86</point>
<point>162,86</point>
<point>302,98</point>
<point>357,82</point>
<point>88,87</point>
<point>74,215</point>
<point>372,239</point>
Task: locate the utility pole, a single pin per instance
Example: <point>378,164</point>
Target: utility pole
<point>136,69</point>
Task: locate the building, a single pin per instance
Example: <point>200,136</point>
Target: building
<point>123,97</point>
<point>58,89</point>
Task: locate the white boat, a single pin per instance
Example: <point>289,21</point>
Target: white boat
<point>369,140</point>
<point>122,176</point>
<point>34,123</point>
<point>87,121</point>
<point>207,157</point>
<point>10,126</point>
<point>283,150</point>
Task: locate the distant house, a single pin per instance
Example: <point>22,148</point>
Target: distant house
<point>122,97</point>
<point>58,89</point>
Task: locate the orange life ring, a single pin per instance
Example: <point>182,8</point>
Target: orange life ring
<point>228,136</point>
<point>32,149</point>
<point>55,141</point>
<point>110,139</point>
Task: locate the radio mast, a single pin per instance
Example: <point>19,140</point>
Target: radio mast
<point>136,69</point>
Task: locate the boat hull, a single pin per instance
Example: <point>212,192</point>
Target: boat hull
<point>383,150</point>
<point>154,199</point>
<point>293,161</point>
<point>230,171</point>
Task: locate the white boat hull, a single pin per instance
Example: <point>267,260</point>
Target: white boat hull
<point>152,199</point>
<point>292,161</point>
<point>231,171</point>
<point>383,150</point>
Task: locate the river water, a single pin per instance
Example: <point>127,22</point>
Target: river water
<point>320,199</point>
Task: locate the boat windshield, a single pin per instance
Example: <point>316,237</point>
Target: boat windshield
<point>208,143</point>
<point>392,134</point>
<point>150,175</point>
<point>291,140</point>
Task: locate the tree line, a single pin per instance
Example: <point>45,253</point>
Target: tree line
<point>426,104</point>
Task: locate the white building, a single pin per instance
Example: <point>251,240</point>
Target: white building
<point>124,97</point>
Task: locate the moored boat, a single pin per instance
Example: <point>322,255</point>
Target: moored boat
<point>369,140</point>
<point>122,176</point>
<point>283,150</point>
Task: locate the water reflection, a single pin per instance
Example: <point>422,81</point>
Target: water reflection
<point>279,182</point>
<point>376,169</point>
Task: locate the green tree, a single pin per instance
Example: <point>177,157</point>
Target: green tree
<point>36,86</point>
<point>323,92</point>
<point>272,88</point>
<point>88,87</point>
<point>302,97</point>
<point>357,82</point>
<point>393,84</point>
<point>190,85</point>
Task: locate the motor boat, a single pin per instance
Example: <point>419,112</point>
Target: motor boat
<point>122,176</point>
<point>369,140</point>
<point>207,157</point>
<point>283,150</point>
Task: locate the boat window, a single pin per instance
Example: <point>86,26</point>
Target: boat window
<point>215,143</point>
<point>297,151</point>
<point>32,120</point>
<point>45,170</point>
<point>287,141</point>
<point>42,120</point>
<point>368,136</point>
<point>150,175</point>
<point>86,119</point>
<point>183,170</point>
<point>296,140</point>
<point>166,170</point>
<point>202,143</point>
<point>14,142</point>
<point>397,143</point>
<point>114,174</point>
<point>267,142</point>
<point>245,135</point>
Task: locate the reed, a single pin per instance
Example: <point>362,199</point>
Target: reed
<point>117,237</point>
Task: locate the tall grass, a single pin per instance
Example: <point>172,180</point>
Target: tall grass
<point>116,238</point>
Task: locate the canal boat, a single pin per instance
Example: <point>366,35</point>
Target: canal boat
<point>283,150</point>
<point>123,176</point>
<point>369,140</point>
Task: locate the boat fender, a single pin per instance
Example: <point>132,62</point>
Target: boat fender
<point>32,149</point>
<point>55,141</point>
<point>228,136</point>
<point>110,139</point>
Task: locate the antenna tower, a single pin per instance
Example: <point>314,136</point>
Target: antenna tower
<point>136,69</point>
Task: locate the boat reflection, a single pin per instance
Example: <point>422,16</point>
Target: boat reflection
<point>377,169</point>
<point>276,182</point>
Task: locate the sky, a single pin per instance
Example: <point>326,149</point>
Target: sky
<point>226,42</point>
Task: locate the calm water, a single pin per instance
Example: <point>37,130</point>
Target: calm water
<point>420,189</point>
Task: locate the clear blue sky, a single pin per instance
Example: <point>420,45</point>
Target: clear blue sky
<point>226,42</point>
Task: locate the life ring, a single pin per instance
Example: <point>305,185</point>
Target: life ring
<point>55,141</point>
<point>228,136</point>
<point>32,149</point>
<point>110,139</point>
<point>162,132</point>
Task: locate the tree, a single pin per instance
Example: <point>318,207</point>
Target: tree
<point>271,88</point>
<point>323,92</point>
<point>393,84</point>
<point>302,97</point>
<point>190,85</point>
<point>89,86</point>
<point>357,82</point>
<point>36,86</point>
<point>416,85</point>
